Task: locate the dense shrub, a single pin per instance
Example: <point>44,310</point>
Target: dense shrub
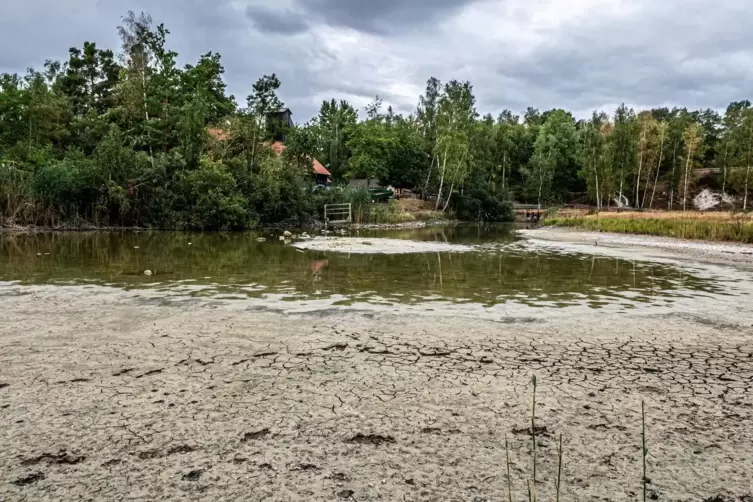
<point>211,201</point>
<point>479,205</point>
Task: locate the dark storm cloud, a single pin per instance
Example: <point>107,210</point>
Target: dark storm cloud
<point>575,54</point>
<point>656,55</point>
<point>381,17</point>
<point>276,21</point>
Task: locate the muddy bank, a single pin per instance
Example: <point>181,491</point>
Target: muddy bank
<point>114,393</point>
<point>370,245</point>
<point>650,247</point>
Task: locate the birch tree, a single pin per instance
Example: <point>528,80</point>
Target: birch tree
<point>592,154</point>
<point>693,139</point>
<point>646,148</point>
<point>623,148</point>
<point>456,113</point>
<point>662,128</point>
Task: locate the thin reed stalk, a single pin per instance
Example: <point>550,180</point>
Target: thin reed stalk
<point>644,449</point>
<point>509,479</point>
<point>532,491</point>
<point>559,468</point>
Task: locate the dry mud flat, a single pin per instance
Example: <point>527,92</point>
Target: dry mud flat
<point>110,395</point>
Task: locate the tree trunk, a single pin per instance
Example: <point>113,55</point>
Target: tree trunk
<point>672,181</point>
<point>724,175</point>
<point>449,194</point>
<point>656,179</point>
<point>687,172</point>
<point>658,168</point>
<point>640,168</point>
<point>596,176</point>
<point>441,181</point>
<point>146,114</point>
<point>504,165</point>
<point>428,175</point>
<point>454,178</point>
<point>747,172</point>
<point>619,197</point>
<point>541,184</point>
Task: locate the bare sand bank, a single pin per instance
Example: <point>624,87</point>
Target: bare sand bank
<point>114,395</point>
<point>647,246</point>
<point>372,245</point>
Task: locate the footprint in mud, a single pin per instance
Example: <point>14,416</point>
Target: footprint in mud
<point>61,458</point>
<point>253,436</point>
<point>193,475</point>
<point>30,479</point>
<point>374,439</point>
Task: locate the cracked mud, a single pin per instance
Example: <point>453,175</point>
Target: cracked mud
<point>104,397</point>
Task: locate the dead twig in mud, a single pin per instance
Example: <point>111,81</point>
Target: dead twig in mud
<point>532,489</point>
<point>644,449</point>
<point>509,479</point>
<point>559,468</point>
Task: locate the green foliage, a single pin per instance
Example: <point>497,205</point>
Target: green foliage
<point>211,198</point>
<point>479,205</point>
<point>139,140</point>
<point>553,156</point>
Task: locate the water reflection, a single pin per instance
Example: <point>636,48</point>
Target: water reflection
<point>238,265</point>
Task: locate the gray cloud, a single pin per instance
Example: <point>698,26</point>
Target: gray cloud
<point>381,17</point>
<point>276,21</point>
<point>575,54</point>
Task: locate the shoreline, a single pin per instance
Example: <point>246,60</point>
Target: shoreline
<point>33,229</point>
<point>724,253</point>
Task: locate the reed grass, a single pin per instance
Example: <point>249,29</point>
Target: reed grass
<point>740,231</point>
<point>531,482</point>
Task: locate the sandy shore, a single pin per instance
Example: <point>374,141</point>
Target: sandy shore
<point>366,245</point>
<point>709,252</point>
<point>114,395</point>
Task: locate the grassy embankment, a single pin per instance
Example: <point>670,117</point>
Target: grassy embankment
<point>396,211</point>
<point>708,226</point>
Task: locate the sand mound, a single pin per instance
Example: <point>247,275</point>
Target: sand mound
<point>361,245</point>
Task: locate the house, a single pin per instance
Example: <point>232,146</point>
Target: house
<point>323,177</point>
<point>278,124</point>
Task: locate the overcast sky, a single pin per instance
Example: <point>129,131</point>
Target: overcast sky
<point>575,54</point>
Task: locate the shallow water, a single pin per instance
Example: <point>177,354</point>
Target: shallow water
<point>500,271</point>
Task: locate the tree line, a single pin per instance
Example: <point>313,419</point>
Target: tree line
<point>644,159</point>
<point>130,138</point>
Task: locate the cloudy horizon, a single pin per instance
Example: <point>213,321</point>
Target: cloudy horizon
<point>579,55</point>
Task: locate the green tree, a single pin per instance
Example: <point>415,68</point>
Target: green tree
<point>554,150</point>
<point>334,124</point>
<point>623,148</point>
<point>456,113</point>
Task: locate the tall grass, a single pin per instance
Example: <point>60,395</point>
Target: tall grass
<point>684,228</point>
<point>366,212</point>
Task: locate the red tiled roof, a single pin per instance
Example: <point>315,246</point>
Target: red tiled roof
<point>318,167</point>
<point>219,134</point>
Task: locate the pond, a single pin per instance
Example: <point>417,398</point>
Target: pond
<point>501,269</point>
